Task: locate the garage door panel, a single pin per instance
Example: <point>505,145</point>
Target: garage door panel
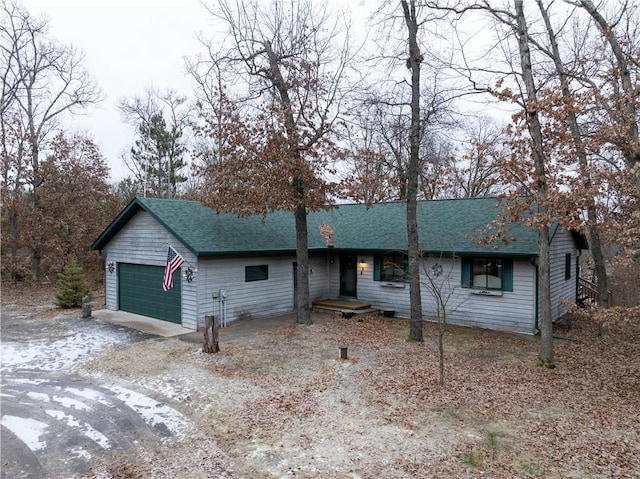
<point>140,292</point>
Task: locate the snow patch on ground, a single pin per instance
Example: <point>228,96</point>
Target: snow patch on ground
<point>62,353</point>
<point>153,412</point>
<point>86,429</point>
<point>27,430</point>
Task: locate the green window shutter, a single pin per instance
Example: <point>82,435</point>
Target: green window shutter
<point>465,273</point>
<point>377,260</point>
<point>507,275</point>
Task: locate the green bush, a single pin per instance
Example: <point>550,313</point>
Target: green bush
<point>72,287</point>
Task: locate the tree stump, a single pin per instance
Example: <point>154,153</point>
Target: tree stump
<point>211,331</point>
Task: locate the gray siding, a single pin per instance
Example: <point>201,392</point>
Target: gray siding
<point>563,291</point>
<point>144,241</point>
<point>513,311</point>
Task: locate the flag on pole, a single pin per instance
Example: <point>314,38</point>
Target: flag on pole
<point>174,261</point>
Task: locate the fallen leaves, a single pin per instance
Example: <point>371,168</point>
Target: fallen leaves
<point>381,413</point>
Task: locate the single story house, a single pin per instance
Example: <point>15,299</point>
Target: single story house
<point>246,267</point>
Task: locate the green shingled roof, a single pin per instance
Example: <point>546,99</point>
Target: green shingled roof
<point>446,226</point>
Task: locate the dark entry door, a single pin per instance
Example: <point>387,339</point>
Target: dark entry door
<point>348,274</point>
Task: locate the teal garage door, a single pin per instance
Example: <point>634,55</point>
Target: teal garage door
<point>140,292</point>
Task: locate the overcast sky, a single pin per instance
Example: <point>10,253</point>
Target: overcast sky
<point>129,45</point>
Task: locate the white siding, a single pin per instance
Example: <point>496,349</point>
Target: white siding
<point>563,291</point>
<point>513,311</point>
<point>320,270</point>
<point>144,241</point>
<point>256,298</point>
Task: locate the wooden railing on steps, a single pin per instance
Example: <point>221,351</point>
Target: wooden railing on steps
<point>588,292</point>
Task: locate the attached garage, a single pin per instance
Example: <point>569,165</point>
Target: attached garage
<point>140,292</point>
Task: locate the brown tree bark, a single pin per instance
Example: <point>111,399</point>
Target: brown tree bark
<point>211,334</point>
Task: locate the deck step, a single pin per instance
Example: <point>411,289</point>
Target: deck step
<point>344,307</point>
<point>338,304</point>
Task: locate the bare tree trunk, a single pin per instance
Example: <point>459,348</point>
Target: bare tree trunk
<point>415,58</point>
<point>597,252</point>
<point>211,334</point>
<point>541,187</point>
<point>13,229</point>
<point>546,356</point>
<point>302,256</point>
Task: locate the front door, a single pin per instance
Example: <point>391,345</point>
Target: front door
<point>348,274</point>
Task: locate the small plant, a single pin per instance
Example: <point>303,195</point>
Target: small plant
<point>72,287</point>
<point>470,458</point>
<point>491,442</point>
<point>533,470</point>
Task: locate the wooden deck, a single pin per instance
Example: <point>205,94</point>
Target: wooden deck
<point>342,306</point>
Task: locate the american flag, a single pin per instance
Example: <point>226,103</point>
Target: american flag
<point>174,261</point>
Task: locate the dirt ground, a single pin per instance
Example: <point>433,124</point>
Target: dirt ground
<point>282,404</point>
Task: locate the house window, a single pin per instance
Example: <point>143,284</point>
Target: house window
<point>256,273</point>
<point>390,268</point>
<point>394,268</point>
<point>567,266</point>
<point>487,273</point>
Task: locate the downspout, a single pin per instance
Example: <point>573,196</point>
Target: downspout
<point>536,326</point>
<point>577,273</point>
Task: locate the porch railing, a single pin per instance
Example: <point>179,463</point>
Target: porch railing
<point>588,292</point>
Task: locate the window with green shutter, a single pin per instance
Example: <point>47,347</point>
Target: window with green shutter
<point>390,268</point>
<point>487,273</point>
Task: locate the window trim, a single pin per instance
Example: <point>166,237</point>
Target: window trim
<point>260,273</point>
<point>378,263</point>
<point>466,270</point>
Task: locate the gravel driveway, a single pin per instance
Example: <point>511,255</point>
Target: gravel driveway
<point>55,420</point>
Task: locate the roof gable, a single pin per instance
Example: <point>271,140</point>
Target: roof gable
<point>445,226</point>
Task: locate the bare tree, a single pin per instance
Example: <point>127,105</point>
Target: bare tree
<point>42,81</point>
<point>541,187</point>
<point>623,106</point>
<point>476,173</point>
<point>440,286</point>
<point>293,86</point>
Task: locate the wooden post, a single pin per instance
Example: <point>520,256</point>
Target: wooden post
<point>211,331</point>
<point>86,307</point>
<point>343,352</point>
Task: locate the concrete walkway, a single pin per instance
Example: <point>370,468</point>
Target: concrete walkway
<point>141,323</point>
<point>233,330</point>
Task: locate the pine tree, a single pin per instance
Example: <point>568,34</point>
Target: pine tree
<point>72,287</point>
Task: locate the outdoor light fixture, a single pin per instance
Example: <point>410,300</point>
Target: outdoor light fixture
<point>362,266</point>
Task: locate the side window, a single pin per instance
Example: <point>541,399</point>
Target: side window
<point>256,273</point>
<point>567,266</point>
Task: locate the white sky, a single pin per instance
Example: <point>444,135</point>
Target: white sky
<point>129,46</point>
